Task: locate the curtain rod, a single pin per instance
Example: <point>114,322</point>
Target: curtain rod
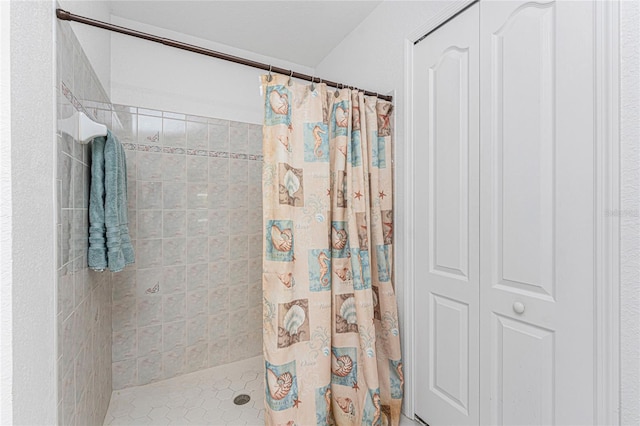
<point>68,16</point>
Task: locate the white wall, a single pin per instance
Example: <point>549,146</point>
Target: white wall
<point>154,76</point>
<point>630,212</point>
<point>30,216</point>
<point>6,329</point>
<point>95,42</point>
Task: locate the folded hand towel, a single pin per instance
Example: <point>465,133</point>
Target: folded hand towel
<point>109,241</point>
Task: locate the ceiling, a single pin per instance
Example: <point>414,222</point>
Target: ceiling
<point>300,31</point>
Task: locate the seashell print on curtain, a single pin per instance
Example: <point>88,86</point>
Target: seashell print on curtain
<point>331,338</point>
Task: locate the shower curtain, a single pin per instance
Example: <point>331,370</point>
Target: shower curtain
<point>331,337</point>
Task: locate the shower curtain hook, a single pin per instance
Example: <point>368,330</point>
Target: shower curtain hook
<point>313,85</point>
<point>269,77</point>
<point>290,82</point>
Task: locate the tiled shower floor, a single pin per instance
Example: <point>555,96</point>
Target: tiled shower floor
<point>201,398</point>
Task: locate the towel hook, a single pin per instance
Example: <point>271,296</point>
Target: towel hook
<point>269,77</point>
<point>290,82</point>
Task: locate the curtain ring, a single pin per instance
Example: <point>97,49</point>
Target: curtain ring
<point>290,82</point>
<point>337,92</point>
<point>313,85</point>
<point>269,77</point>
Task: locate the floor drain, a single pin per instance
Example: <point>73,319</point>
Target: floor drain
<point>241,399</point>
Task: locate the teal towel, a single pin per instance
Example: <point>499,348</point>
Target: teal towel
<point>109,241</point>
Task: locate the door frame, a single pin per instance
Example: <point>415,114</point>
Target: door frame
<point>607,207</point>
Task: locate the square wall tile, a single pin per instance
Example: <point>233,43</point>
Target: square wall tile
<point>239,172</point>
<point>174,133</point>
<point>149,340</point>
<point>219,137</point>
<point>239,222</point>
<point>149,310</point>
<point>197,277</point>
<point>197,357</point>
<point>149,166</point>
<point>218,249</point>
<point>174,279</point>
<point>198,223</point>
<point>174,335</point>
<point>149,224</point>
<point>124,345</point>
<point>197,329</point>
<point>149,253</point>
<point>174,307</point>
<point>149,368</point>
<point>238,137</point>
<point>218,196</point>
<point>174,223</point>
<point>149,195</point>
<point>239,247</point>
<point>197,136</point>
<point>174,251</point>
<point>238,294</point>
<point>197,303</point>
<point>219,170</point>
<point>218,352</point>
<point>197,168</point>
<point>197,196</point>
<point>218,326</point>
<point>255,139</point>
<point>174,196</point>
<point>239,271</point>
<point>219,222</point>
<point>219,301</point>
<point>124,315</point>
<point>124,373</point>
<point>148,281</point>
<point>218,274</point>
<point>197,250</point>
<point>149,130</point>
<point>173,362</point>
<point>174,167</point>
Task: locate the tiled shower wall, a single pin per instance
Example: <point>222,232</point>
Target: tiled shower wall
<point>84,296</point>
<point>193,298</point>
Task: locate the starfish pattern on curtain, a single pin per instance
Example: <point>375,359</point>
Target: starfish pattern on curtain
<point>331,334</point>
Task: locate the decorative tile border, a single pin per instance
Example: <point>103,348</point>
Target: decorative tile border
<point>195,152</point>
<point>93,112</point>
<point>71,98</point>
<point>87,106</point>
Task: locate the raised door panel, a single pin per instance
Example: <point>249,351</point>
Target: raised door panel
<point>523,66</point>
<point>523,379</point>
<point>448,163</point>
<point>446,132</point>
<point>449,357</point>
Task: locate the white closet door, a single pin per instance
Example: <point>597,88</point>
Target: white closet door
<point>446,199</point>
<point>537,213</point>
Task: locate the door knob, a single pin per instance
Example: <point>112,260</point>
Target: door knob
<point>518,307</point>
